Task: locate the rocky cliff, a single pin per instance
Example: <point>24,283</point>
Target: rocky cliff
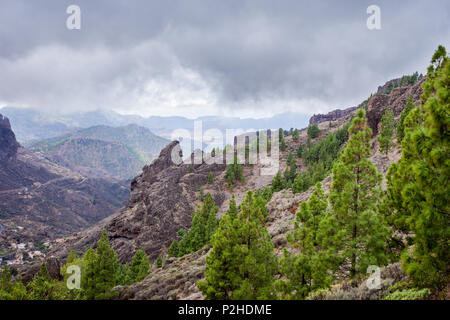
<point>8,143</point>
<point>396,100</point>
<point>332,115</point>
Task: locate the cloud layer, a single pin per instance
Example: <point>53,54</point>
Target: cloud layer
<point>193,58</point>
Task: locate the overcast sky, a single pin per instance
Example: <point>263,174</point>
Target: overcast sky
<point>193,58</point>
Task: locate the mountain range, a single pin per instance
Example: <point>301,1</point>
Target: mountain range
<point>103,151</point>
<point>41,200</point>
<point>31,125</point>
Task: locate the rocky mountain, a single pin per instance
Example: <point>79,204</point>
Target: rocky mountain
<point>102,151</point>
<point>40,200</point>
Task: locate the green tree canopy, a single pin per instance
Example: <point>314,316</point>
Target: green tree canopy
<point>418,192</point>
<point>354,196</point>
<point>241,264</point>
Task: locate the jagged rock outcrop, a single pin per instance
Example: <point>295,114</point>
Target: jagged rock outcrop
<point>389,84</point>
<point>332,115</point>
<point>162,200</point>
<point>8,143</point>
<point>396,100</point>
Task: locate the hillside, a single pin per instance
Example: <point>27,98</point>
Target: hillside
<point>40,200</point>
<point>102,151</point>
<point>178,276</point>
<point>164,196</point>
<point>327,215</point>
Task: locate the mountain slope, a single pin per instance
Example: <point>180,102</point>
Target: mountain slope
<point>102,151</point>
<point>178,276</point>
<point>164,196</point>
<point>40,200</point>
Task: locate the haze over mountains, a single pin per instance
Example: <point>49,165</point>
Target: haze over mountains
<point>31,125</point>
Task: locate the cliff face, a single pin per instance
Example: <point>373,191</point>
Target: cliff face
<point>8,143</point>
<point>377,104</point>
<point>396,100</point>
<point>332,115</point>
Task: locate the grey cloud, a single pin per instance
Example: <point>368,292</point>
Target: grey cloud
<point>202,56</point>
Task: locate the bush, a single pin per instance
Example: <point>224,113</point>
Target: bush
<point>411,294</point>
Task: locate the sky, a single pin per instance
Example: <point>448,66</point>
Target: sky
<point>208,57</point>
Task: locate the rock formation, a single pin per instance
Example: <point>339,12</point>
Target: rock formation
<point>162,200</point>
<point>332,115</point>
<point>396,100</point>
<point>8,143</point>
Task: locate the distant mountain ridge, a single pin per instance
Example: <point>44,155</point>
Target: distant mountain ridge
<point>103,151</point>
<point>31,125</point>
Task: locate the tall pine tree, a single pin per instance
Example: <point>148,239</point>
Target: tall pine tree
<point>305,267</point>
<point>418,187</point>
<point>387,131</point>
<point>401,122</point>
<point>241,264</point>
<point>354,197</point>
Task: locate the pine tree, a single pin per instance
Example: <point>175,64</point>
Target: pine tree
<point>204,224</point>
<point>43,287</point>
<point>300,151</point>
<point>6,285</point>
<point>354,197</point>
<point>210,178</point>
<point>289,174</point>
<point>101,271</point>
<point>295,135</point>
<point>305,270</point>
<point>418,192</point>
<point>387,131</point>
<point>234,173</point>
<point>401,122</point>
<point>232,210</point>
<point>140,266</point>
<point>282,145</point>
<point>159,262</point>
<point>281,139</point>
<point>313,131</point>
<point>107,266</point>
<point>241,264</point>
<point>278,182</point>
